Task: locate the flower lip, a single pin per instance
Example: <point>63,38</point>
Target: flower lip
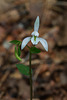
<point>35,33</point>
<point>34,42</point>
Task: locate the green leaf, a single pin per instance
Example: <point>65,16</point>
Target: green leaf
<point>19,51</point>
<point>23,69</point>
<point>16,54</point>
<point>34,50</point>
<point>15,42</point>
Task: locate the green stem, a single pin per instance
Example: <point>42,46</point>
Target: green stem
<point>30,77</point>
<point>28,46</point>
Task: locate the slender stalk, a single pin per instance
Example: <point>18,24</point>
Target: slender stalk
<point>30,77</point>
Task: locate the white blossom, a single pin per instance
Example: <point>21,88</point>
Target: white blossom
<point>35,39</point>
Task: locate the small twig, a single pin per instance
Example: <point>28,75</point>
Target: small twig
<point>4,78</point>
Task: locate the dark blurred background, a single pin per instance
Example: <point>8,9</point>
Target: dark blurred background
<point>17,19</point>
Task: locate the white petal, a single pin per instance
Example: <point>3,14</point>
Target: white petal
<point>25,41</point>
<point>44,43</point>
<point>33,41</point>
<point>36,24</point>
<point>35,33</point>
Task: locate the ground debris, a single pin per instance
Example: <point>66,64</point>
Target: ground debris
<point>49,68</point>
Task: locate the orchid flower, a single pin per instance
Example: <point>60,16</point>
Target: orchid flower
<point>35,39</point>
